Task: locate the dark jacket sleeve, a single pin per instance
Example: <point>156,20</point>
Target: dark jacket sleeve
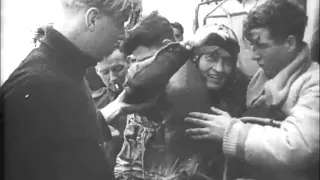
<point>46,137</point>
<point>104,128</point>
<point>145,79</point>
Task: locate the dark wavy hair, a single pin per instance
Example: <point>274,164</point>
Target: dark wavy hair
<point>281,17</point>
<point>177,25</point>
<point>150,31</point>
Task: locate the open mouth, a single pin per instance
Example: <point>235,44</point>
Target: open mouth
<point>215,77</point>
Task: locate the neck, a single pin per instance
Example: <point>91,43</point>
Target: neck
<point>69,28</point>
<point>298,50</point>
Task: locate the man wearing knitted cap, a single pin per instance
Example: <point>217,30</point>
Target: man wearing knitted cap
<point>52,126</point>
<point>279,137</point>
<point>216,60</point>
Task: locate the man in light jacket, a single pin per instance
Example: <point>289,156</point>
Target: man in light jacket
<point>279,135</point>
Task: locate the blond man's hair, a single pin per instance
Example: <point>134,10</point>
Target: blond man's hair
<point>108,6</point>
<point>128,8</point>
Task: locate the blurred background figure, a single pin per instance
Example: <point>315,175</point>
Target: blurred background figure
<point>112,71</point>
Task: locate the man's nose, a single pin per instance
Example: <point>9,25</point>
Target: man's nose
<point>255,54</point>
<point>113,76</point>
<point>218,66</point>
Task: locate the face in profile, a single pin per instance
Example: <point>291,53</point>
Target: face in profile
<point>113,69</point>
<point>216,67</point>
<point>104,32</point>
<point>272,57</point>
<point>177,34</point>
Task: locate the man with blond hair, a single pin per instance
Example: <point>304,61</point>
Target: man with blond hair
<point>53,129</point>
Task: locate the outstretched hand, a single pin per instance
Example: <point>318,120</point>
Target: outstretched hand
<point>208,126</point>
<point>118,107</point>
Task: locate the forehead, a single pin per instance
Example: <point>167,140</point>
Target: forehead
<point>259,35</point>
<point>115,58</point>
<point>210,50</point>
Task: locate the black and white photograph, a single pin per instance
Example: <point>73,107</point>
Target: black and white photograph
<point>160,89</point>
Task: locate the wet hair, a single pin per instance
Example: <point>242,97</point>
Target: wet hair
<point>149,32</point>
<point>177,25</point>
<point>39,33</point>
<point>281,17</point>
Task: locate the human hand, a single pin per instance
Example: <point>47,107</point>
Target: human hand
<point>118,107</point>
<point>210,126</point>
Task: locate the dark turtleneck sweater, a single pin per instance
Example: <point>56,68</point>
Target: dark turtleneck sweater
<point>51,124</point>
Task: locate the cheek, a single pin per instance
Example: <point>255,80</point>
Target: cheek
<point>272,56</point>
<point>204,66</point>
<point>108,36</point>
<point>228,70</point>
<point>105,77</point>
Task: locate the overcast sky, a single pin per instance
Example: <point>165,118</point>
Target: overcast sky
<point>20,17</point>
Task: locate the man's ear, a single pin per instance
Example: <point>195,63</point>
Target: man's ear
<point>91,17</point>
<point>291,43</point>
<point>166,42</point>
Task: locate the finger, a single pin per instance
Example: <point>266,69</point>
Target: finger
<point>217,111</point>
<point>201,137</point>
<point>197,131</point>
<point>195,121</point>
<point>203,116</point>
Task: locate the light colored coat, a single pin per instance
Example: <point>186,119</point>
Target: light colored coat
<point>285,152</point>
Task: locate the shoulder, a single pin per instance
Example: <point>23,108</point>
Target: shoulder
<point>31,77</point>
<point>33,70</point>
<point>309,79</point>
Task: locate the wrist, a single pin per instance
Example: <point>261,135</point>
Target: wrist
<point>230,138</point>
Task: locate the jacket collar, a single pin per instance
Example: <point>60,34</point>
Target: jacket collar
<point>71,59</point>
